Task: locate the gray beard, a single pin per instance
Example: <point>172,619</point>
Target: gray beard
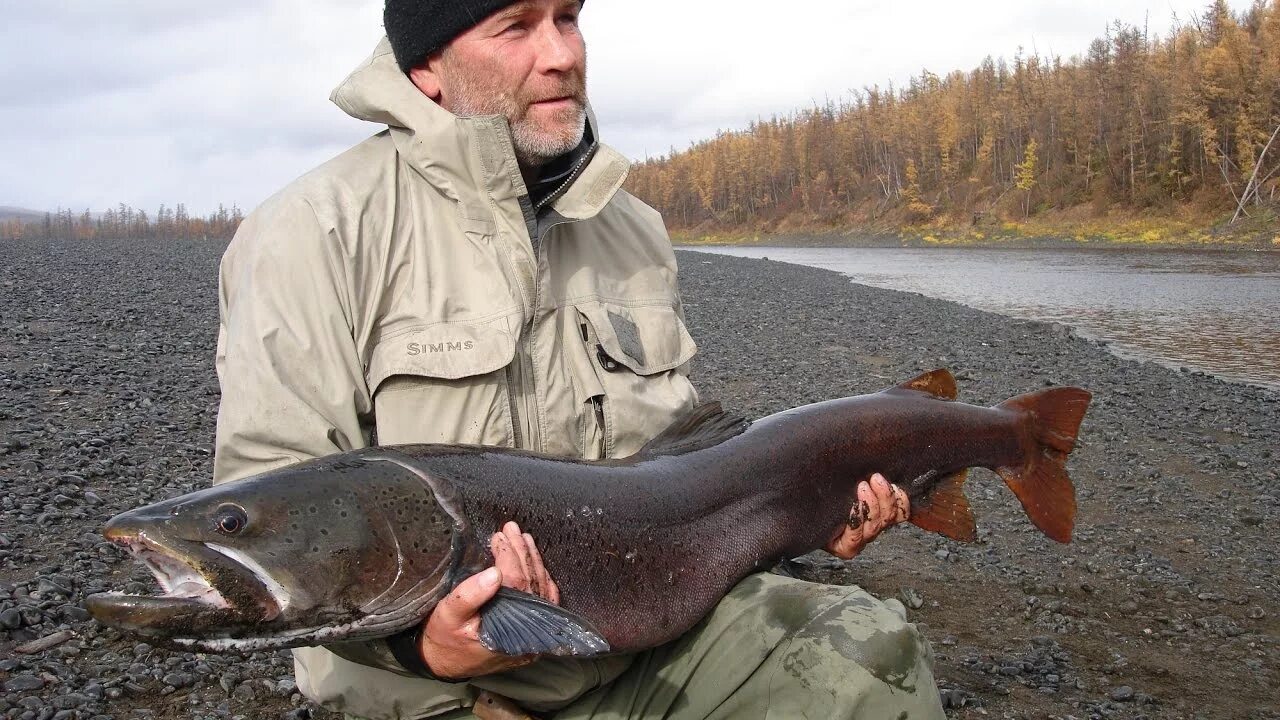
<point>534,147</point>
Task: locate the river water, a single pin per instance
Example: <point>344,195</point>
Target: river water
<point>1218,312</point>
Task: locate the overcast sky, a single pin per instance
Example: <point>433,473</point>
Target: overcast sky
<point>165,101</point>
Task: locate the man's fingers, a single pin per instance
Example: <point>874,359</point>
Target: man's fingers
<point>465,601</point>
<point>878,504</point>
<point>515,538</point>
<point>866,506</point>
<point>512,561</point>
<point>901,505</point>
<point>507,560</point>
<point>512,531</point>
<point>893,500</point>
<point>548,589</point>
<point>883,505</point>
<point>886,499</point>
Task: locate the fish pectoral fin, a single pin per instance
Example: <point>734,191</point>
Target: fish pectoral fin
<point>946,510</point>
<point>702,427</point>
<point>517,623</point>
<point>939,383</point>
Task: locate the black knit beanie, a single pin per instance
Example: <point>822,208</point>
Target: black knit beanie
<point>417,28</point>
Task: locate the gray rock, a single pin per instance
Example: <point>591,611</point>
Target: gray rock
<point>23,683</point>
<point>244,692</point>
<point>70,701</point>
<point>46,586</point>
<point>11,619</point>
<point>911,598</point>
<point>286,686</point>
<point>31,615</point>
<point>74,613</point>
<point>1123,693</point>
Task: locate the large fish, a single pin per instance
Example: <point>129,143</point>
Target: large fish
<point>363,544</point>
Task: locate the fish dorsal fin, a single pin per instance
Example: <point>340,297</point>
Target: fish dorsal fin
<point>939,383</point>
<point>702,427</point>
<point>946,510</point>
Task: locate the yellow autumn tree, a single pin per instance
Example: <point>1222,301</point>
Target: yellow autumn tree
<point>1132,121</point>
<point>1025,174</point>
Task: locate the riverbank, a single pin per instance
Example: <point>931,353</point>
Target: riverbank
<point>1209,310</point>
<point>1054,230</point>
<point>1165,605</point>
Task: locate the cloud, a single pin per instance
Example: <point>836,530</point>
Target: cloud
<point>151,101</point>
<point>148,102</point>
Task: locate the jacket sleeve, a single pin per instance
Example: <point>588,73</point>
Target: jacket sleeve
<point>293,385</point>
<point>292,379</point>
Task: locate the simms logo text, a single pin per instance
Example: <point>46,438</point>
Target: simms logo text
<point>421,348</point>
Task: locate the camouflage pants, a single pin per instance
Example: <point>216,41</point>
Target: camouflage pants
<point>778,648</point>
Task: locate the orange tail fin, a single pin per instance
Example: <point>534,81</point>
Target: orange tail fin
<point>1042,484</point>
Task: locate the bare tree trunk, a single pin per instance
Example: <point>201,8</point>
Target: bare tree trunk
<point>1223,166</point>
<point>1250,187</point>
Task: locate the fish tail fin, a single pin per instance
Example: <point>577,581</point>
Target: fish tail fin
<point>946,510</point>
<point>1042,484</point>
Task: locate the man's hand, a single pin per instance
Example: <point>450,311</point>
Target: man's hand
<point>450,640</point>
<point>880,505</point>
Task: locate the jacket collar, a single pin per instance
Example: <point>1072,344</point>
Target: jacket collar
<point>468,158</point>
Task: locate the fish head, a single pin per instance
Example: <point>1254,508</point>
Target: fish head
<point>332,549</point>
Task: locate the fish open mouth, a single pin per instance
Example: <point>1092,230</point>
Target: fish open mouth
<point>204,592</point>
<point>179,580</point>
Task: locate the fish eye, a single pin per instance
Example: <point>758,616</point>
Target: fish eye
<point>230,520</point>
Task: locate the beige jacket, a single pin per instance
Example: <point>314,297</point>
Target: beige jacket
<point>408,291</point>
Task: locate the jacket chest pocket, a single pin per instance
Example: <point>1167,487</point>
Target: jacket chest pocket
<point>445,383</point>
<point>637,383</point>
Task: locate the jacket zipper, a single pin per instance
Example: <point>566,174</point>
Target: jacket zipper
<point>573,175</point>
<point>524,411</point>
<point>531,439</point>
<point>602,422</point>
<point>513,386</point>
<point>597,404</point>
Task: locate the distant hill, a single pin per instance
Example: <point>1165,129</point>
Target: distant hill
<point>16,213</point>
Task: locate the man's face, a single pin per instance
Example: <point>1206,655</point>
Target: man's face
<point>528,63</point>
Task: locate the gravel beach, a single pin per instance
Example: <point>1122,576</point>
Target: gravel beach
<point>1166,605</point>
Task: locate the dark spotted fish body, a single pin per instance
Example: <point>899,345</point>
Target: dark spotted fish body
<point>363,544</point>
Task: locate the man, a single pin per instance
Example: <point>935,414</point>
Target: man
<point>475,274</point>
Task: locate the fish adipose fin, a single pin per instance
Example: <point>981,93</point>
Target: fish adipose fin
<point>946,509</point>
<point>517,623</point>
<point>939,383</point>
<point>702,427</point>
<point>1042,484</point>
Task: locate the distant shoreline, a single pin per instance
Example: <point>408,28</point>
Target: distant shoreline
<point>856,238</point>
